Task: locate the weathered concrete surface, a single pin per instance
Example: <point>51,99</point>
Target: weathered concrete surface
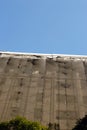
<point>45,88</point>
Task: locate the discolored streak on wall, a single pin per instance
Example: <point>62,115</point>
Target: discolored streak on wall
<point>45,88</point>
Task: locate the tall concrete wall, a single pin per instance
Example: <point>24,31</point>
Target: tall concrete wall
<point>45,88</point>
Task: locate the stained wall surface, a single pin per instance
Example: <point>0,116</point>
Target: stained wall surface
<point>45,88</point>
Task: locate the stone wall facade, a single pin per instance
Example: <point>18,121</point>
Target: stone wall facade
<point>45,88</point>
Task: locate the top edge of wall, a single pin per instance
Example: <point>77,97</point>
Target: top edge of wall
<point>41,54</point>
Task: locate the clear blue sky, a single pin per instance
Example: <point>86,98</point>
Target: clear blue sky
<point>44,26</point>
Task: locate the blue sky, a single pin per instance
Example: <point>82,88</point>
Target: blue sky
<point>44,26</point>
